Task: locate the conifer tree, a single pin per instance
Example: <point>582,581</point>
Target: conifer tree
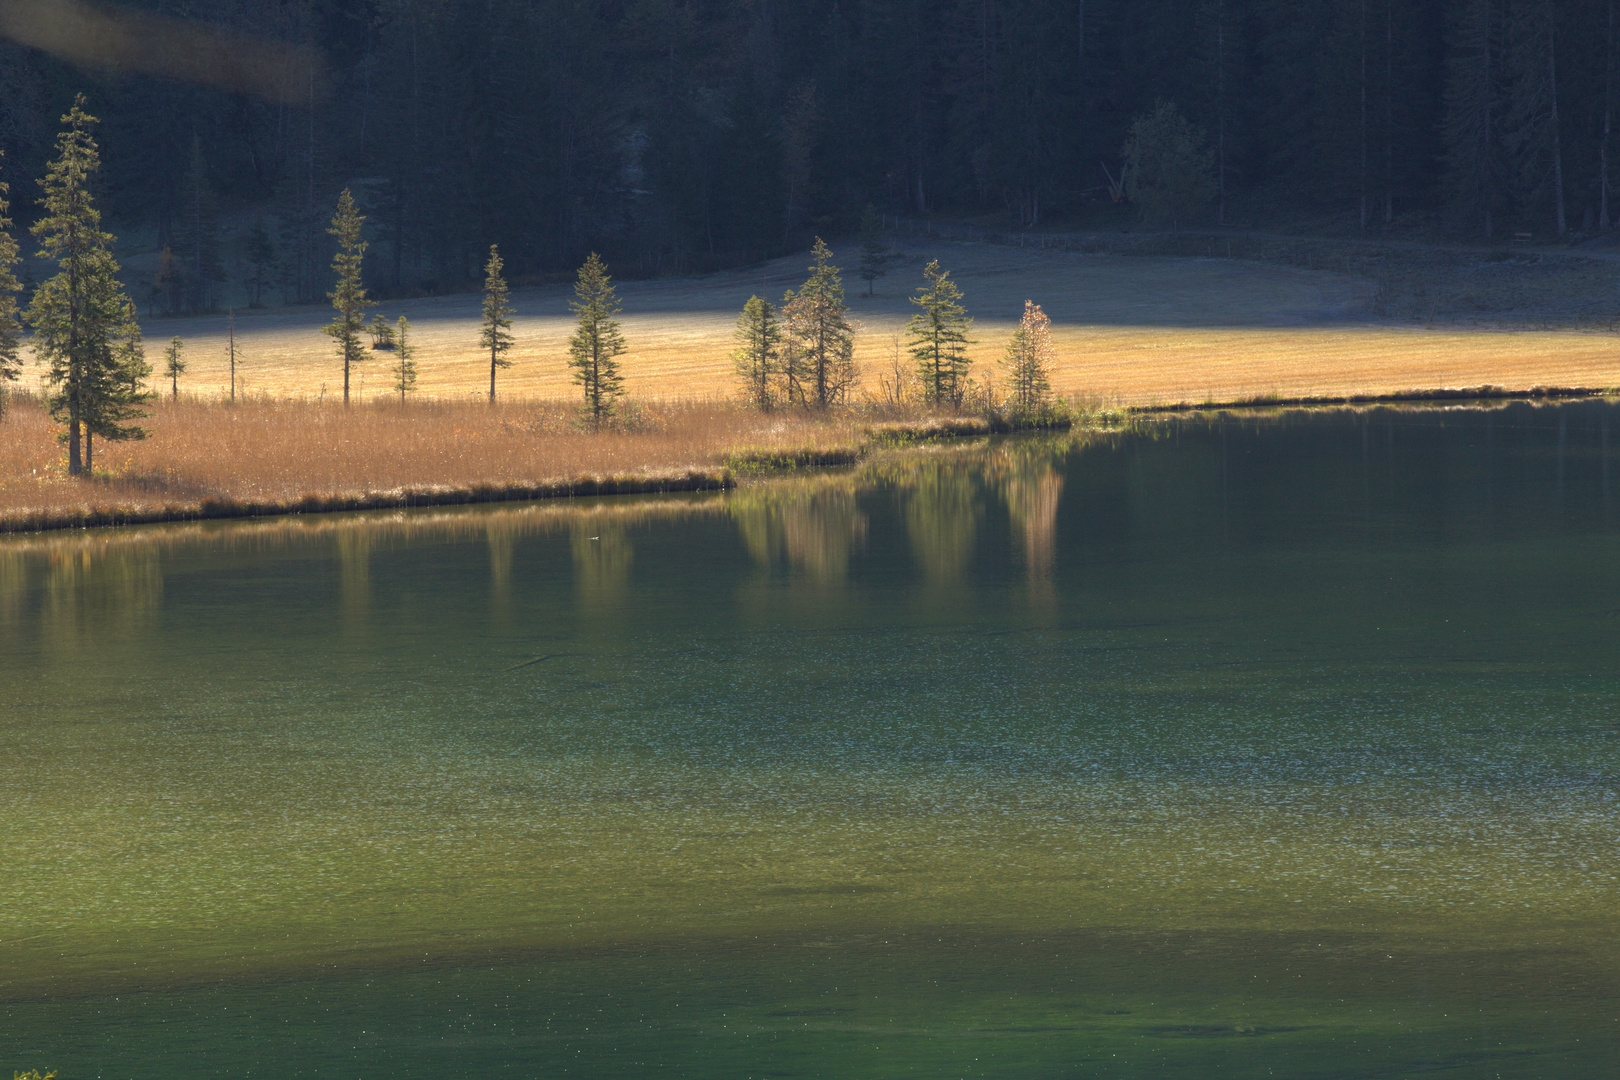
<point>819,348</point>
<point>939,337</point>
<point>1169,174</point>
<point>405,366</point>
<point>84,324</point>
<point>382,332</point>
<point>10,324</point>
<point>1472,122</point>
<point>261,255</point>
<point>199,233</point>
<point>117,394</point>
<point>875,254</point>
<point>495,333</point>
<point>349,298</point>
<point>173,365</point>
<point>166,285</point>
<point>598,341</point>
<point>1029,359</point>
<point>758,352</point>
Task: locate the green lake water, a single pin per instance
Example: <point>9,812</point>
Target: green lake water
<point>1224,747</point>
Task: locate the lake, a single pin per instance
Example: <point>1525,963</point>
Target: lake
<point>1236,746</point>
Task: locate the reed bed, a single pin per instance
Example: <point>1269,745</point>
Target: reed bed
<point>260,456</point>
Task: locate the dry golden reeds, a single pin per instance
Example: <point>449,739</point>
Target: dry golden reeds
<point>263,456</point>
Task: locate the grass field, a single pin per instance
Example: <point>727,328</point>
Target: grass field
<point>276,453</point>
<point>1130,330</point>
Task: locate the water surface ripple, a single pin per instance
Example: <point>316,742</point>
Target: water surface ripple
<point>1270,746</point>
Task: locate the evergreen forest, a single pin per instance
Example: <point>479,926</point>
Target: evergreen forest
<point>683,135</point>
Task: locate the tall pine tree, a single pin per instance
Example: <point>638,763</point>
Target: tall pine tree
<point>939,337</point>
<point>84,325</point>
<point>349,298</point>
<point>758,352</point>
<point>597,343</point>
<point>875,254</point>
<point>405,365</point>
<point>495,333</point>
<point>117,392</point>
<point>1030,355</point>
<point>10,324</point>
<point>1472,125</point>
<point>173,364</point>
<point>819,353</point>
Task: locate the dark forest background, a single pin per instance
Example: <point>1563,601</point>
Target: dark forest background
<point>679,135</point>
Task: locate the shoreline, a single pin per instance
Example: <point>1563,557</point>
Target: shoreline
<point>224,508</point>
<point>760,462</point>
<point>1399,397</point>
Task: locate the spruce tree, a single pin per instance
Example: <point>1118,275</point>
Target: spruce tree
<point>1169,173</point>
<point>405,366</point>
<point>199,233</point>
<point>819,348</point>
<point>382,333</point>
<point>349,298</point>
<point>173,365</point>
<point>758,352</point>
<point>83,323</point>
<point>495,334</point>
<point>1471,124</point>
<point>261,255</point>
<point>598,341</point>
<point>166,284</point>
<point>939,337</point>
<point>117,394</point>
<point>875,254</point>
<point>1029,359</point>
<point>10,323</point>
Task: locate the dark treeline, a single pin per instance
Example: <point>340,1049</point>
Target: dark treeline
<point>683,134</point>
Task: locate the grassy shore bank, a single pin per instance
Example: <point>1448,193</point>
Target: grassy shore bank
<point>260,456</point>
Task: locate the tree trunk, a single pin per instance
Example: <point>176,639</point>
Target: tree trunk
<point>1220,119</point>
<point>1366,206</point>
<point>1608,116</point>
<point>1389,112</point>
<point>1552,98</point>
